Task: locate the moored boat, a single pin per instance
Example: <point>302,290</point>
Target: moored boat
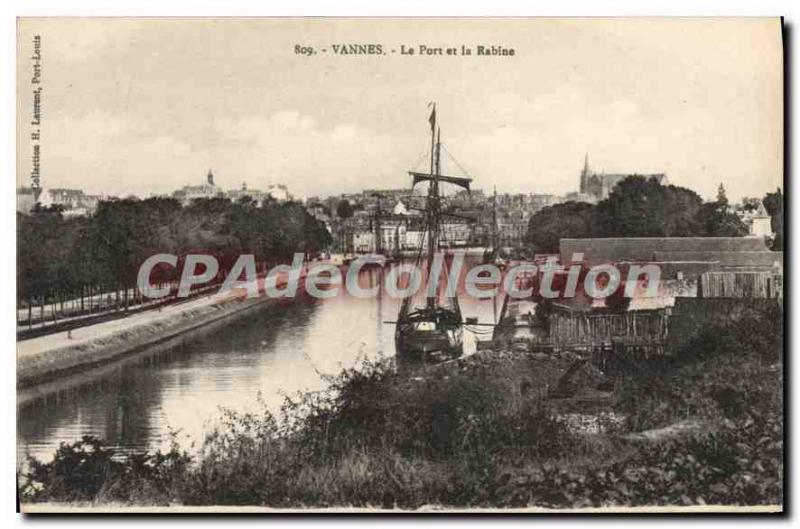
<point>432,332</point>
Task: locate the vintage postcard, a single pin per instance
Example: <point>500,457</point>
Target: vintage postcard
<point>400,264</point>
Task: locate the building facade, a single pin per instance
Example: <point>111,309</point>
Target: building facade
<point>597,186</point>
<point>206,190</point>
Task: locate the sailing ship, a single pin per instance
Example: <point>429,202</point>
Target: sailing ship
<point>492,256</point>
<point>379,256</point>
<point>432,332</point>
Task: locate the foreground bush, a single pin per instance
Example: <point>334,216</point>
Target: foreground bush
<point>88,470</point>
<point>474,436</point>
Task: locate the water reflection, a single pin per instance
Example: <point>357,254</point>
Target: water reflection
<point>278,348</point>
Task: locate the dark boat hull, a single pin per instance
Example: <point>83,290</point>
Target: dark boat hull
<point>428,346</point>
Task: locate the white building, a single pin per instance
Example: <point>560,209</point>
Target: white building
<point>207,190</point>
<point>26,199</point>
<point>363,241</point>
<point>392,237</point>
<point>414,239</point>
<point>75,202</point>
<point>758,221</point>
<point>455,233</point>
<point>761,225</point>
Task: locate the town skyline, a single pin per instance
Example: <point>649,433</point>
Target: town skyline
<point>282,191</point>
<point>124,114</point>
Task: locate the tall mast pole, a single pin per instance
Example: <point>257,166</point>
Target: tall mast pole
<point>436,197</point>
<point>433,204</point>
<point>494,221</point>
<point>378,230</point>
<point>494,244</point>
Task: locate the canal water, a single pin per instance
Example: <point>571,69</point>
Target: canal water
<point>276,349</point>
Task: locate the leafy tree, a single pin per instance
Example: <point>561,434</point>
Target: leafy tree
<point>640,207</point>
<point>681,214</point>
<point>567,220</point>
<point>637,207</point>
<point>344,210</point>
<point>40,247</point>
<point>750,203</point>
<point>722,197</point>
<point>773,203</point>
<point>61,259</point>
<point>717,221</point>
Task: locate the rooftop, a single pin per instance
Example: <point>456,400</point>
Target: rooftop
<point>615,249</point>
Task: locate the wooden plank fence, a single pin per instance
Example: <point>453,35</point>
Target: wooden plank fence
<point>740,285</point>
<point>592,328</point>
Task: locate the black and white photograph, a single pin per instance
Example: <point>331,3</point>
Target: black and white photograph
<point>400,264</point>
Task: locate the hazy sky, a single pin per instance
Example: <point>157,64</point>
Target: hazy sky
<point>149,105</point>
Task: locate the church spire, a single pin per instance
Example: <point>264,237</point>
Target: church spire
<point>585,173</point>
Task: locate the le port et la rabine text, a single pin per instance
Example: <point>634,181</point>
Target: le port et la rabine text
<point>406,50</point>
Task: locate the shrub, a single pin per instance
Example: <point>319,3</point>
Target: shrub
<point>467,436</point>
<point>87,469</point>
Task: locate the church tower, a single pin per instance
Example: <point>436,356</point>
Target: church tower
<point>210,178</point>
<point>585,174</point>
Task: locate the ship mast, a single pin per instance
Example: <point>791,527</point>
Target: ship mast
<point>377,225</point>
<point>433,201</point>
<point>433,211</point>
<point>494,253</point>
<point>494,221</point>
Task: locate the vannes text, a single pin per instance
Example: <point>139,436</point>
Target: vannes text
<point>419,50</point>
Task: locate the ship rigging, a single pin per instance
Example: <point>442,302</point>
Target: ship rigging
<point>432,332</point>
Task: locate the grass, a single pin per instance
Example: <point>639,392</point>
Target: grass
<point>472,436</point>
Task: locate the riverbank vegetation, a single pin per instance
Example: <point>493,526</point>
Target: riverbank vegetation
<point>483,432</point>
<point>61,258</point>
<point>638,207</point>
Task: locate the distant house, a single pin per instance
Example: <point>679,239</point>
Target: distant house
<point>758,221</point>
<point>512,226</point>
<point>26,199</point>
<point>206,190</point>
<point>363,241</point>
<point>74,202</point>
<point>455,233</point>
<point>68,198</point>
<point>388,236</point>
<point>415,239</point>
<point>277,192</point>
<point>319,212</point>
<point>371,195</point>
<point>237,194</point>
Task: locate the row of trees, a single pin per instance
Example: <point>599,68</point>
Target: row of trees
<point>71,258</point>
<point>637,207</point>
